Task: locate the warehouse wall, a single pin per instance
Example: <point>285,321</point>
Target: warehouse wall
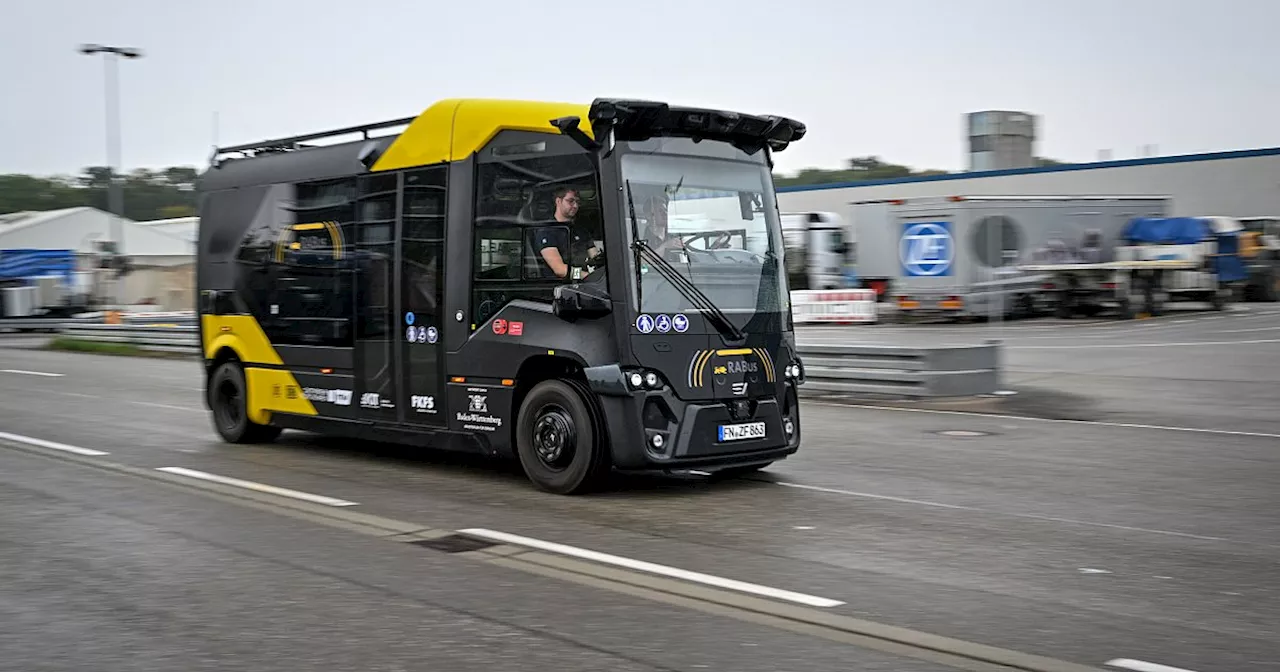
<point>172,287</point>
<point>1233,187</point>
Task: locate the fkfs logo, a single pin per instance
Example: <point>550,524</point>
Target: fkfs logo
<point>926,249</point>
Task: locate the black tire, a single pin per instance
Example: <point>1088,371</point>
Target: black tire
<point>228,397</point>
<point>1269,286</point>
<point>1217,301</point>
<point>1026,307</point>
<point>559,439</point>
<point>1125,308</point>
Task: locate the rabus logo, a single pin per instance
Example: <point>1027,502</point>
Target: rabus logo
<point>926,248</point>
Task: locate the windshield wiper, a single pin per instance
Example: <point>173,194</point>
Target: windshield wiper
<point>681,283</point>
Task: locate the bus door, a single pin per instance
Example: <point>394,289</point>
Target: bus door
<point>377,334</point>
<point>421,265</point>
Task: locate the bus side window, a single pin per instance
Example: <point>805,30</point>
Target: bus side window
<point>514,197</point>
<point>313,285</point>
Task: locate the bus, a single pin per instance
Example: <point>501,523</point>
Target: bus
<point>396,286</point>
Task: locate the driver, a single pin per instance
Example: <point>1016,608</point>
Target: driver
<point>553,246</point>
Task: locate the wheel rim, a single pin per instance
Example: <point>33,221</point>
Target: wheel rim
<point>227,404</point>
<point>555,437</point>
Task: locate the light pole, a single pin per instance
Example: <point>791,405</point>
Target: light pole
<point>115,196</point>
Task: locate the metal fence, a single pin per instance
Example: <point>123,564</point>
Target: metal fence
<point>884,370</point>
<point>944,371</point>
<point>163,337</point>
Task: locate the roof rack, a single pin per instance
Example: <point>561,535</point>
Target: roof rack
<point>291,143</point>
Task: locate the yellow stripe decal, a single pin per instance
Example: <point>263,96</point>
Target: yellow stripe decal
<point>702,366</point>
<point>766,360</point>
<point>693,365</point>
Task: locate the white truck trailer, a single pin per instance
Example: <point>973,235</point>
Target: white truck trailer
<point>1159,259</point>
<point>959,255</point>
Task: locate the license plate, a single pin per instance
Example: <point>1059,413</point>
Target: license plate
<point>746,430</point>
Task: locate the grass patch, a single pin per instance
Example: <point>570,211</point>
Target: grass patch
<point>106,348</point>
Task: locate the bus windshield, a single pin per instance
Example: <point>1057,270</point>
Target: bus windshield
<point>714,219</point>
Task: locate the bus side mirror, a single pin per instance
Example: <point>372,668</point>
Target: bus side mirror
<point>572,302</point>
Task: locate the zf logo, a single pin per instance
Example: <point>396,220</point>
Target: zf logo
<point>926,249</point>
<point>739,389</point>
<point>422,403</point>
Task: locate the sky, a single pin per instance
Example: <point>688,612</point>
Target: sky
<point>867,77</point>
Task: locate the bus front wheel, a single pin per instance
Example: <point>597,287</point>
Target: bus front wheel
<point>558,439</point>
<point>229,401</point>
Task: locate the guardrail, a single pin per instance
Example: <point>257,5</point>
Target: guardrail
<point>946,371</point>
<point>155,337</point>
<point>888,370</point>
<point>43,323</point>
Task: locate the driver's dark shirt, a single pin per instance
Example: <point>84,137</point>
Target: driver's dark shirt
<point>553,235</point>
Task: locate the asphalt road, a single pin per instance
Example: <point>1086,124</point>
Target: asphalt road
<point>1122,505</point>
<point>1190,368</point>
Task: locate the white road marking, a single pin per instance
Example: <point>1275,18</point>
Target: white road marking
<point>1241,331</point>
<point>33,373</point>
<point>260,487</point>
<point>1096,423</point>
<point>960,507</point>
<point>1187,344</point>
<point>1091,570</point>
<point>662,570</point>
<point>66,448</point>
<point>1097,327</point>
<point>1143,666</point>
<point>172,408</point>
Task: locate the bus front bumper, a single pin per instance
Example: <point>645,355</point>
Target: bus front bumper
<point>656,430</point>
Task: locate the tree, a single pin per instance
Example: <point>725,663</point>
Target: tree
<point>147,194</point>
<point>865,168</point>
<point>860,169</point>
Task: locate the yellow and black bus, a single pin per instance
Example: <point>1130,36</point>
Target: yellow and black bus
<point>583,287</point>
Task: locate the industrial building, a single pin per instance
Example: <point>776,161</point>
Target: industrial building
<point>162,264</point>
<point>1242,183</point>
<point>187,228</point>
<point>1002,162</point>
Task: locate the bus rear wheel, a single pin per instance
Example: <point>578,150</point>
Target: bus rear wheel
<point>558,439</point>
<point>229,400</point>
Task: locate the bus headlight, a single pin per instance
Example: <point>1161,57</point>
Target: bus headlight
<point>644,379</point>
